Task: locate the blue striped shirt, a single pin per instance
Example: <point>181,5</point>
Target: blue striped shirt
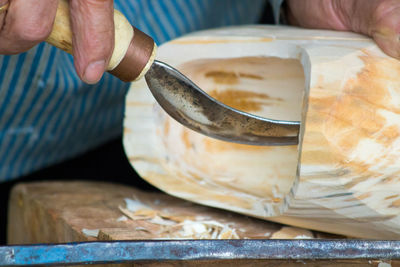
<point>48,115</point>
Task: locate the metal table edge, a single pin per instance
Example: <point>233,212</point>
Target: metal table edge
<point>173,250</point>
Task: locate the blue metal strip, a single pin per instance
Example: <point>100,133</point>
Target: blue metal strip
<point>162,250</point>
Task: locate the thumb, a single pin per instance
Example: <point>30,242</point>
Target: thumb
<point>385,29</point>
<point>92,24</point>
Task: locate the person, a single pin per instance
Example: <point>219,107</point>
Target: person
<point>60,115</point>
<point>54,106</point>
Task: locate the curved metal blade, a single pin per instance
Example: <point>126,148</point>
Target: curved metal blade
<point>189,105</point>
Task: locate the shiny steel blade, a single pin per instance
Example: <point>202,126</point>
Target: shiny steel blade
<point>189,105</point>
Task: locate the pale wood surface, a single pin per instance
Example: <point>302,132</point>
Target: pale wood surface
<point>344,175</point>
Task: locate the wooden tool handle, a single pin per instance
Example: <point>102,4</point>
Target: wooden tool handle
<point>134,51</point>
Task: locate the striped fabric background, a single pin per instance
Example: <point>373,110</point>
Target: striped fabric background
<point>48,115</point>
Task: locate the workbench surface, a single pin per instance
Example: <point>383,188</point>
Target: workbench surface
<point>59,212</point>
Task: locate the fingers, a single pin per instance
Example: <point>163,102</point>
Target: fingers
<point>25,24</point>
<point>4,4</point>
<point>92,23</point>
<point>379,19</point>
<point>385,28</point>
<point>317,14</point>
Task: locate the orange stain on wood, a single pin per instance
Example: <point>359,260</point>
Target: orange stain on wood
<point>395,204</point>
<point>241,100</point>
<point>276,200</point>
<point>137,103</point>
<point>250,76</point>
<point>247,68</point>
<point>127,130</point>
<point>390,133</point>
<point>223,77</point>
<point>392,196</point>
<point>355,113</point>
<point>166,127</point>
<point>230,77</point>
<point>186,139</point>
<point>364,196</point>
<point>317,157</point>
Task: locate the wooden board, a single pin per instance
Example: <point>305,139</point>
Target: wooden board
<point>55,212</point>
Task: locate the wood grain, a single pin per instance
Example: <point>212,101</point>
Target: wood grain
<point>343,177</point>
<point>56,212</point>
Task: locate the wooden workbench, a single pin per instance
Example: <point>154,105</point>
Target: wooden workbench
<point>57,212</point>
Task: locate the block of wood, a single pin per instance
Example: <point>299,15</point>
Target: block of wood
<point>55,212</point>
<point>342,177</point>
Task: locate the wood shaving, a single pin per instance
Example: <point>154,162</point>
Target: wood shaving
<point>177,226</point>
<point>139,228</point>
<point>122,218</point>
<point>161,221</point>
<point>90,232</point>
<point>135,205</point>
<point>133,215</point>
<point>287,232</point>
<point>205,230</point>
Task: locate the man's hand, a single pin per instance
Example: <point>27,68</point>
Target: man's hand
<point>27,23</point>
<point>379,19</point>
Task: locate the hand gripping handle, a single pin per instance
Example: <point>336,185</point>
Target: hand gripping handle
<point>134,51</point>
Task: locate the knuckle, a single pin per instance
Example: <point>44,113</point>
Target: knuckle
<point>99,50</point>
<point>100,43</point>
<point>98,2</point>
<point>384,9</point>
<point>95,37</point>
<point>89,4</point>
<point>33,32</point>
